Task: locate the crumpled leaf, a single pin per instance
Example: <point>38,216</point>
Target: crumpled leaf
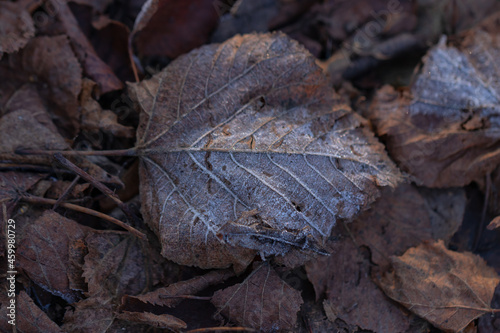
<point>170,28</point>
<point>43,252</point>
<point>30,318</point>
<point>94,118</point>
<point>444,132</point>
<point>188,287</point>
<point>16,26</point>
<point>49,64</point>
<point>263,301</point>
<point>405,217</point>
<point>245,148</point>
<point>449,289</point>
<point>351,295</point>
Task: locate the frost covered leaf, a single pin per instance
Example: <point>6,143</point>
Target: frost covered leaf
<point>449,289</point>
<point>445,131</point>
<point>263,301</point>
<point>16,26</point>
<point>245,148</point>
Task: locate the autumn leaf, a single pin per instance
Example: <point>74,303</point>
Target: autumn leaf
<point>16,27</point>
<point>263,301</point>
<point>445,130</point>
<point>449,289</point>
<point>245,148</point>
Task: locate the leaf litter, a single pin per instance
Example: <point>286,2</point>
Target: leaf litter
<point>246,154</point>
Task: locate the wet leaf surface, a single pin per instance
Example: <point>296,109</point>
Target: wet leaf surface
<point>270,162</point>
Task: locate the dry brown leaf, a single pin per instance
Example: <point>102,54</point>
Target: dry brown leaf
<point>405,217</point>
<point>263,301</point>
<point>43,251</point>
<point>161,321</point>
<point>449,289</point>
<point>16,132</point>
<point>170,28</point>
<point>89,315</point>
<point>94,67</point>
<point>118,263</point>
<point>189,287</point>
<point>245,148</point>
<point>16,26</point>
<point>351,295</point>
<point>49,64</point>
<point>445,132</point>
<point>30,318</point>
<point>95,119</point>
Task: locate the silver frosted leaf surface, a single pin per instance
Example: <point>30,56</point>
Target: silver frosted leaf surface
<point>245,149</point>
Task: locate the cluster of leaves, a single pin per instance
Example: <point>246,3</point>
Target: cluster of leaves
<point>255,196</point>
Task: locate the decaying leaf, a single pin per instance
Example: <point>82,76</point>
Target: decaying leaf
<point>49,64</point>
<point>246,149</point>
<point>495,223</point>
<point>16,26</point>
<point>449,289</point>
<point>31,318</point>
<point>162,321</point>
<point>43,252</point>
<point>444,132</point>
<point>351,295</point>
<point>263,301</point>
<point>405,217</point>
<point>166,296</point>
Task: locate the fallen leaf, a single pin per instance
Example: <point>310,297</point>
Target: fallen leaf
<point>166,296</point>
<point>16,27</point>
<point>351,294</point>
<point>245,148</point>
<point>43,252</point>
<point>444,132</point>
<point>30,318</point>
<point>170,28</point>
<point>405,217</point>
<point>161,321</point>
<point>263,301</point>
<point>49,64</point>
<point>89,315</point>
<point>94,67</point>
<point>16,132</point>
<point>449,289</point>
<point>95,119</point>
<point>494,224</point>
<point>118,264</point>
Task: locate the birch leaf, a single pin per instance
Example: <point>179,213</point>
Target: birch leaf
<point>245,149</point>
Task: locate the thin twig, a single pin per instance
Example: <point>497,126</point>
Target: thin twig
<point>45,201</point>
<point>480,228</point>
<point>66,192</point>
<point>100,186</point>
<point>118,152</point>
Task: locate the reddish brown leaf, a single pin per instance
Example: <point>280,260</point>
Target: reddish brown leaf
<point>43,252</point>
<point>94,67</point>
<point>118,264</point>
<point>190,287</point>
<point>95,119</point>
<point>49,64</point>
<point>89,315</point>
<point>350,293</point>
<point>161,321</point>
<point>245,148</point>
<point>170,28</point>
<point>263,301</point>
<point>405,217</point>
<point>30,318</point>
<point>445,131</point>
<point>16,26</point>
<point>449,289</point>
